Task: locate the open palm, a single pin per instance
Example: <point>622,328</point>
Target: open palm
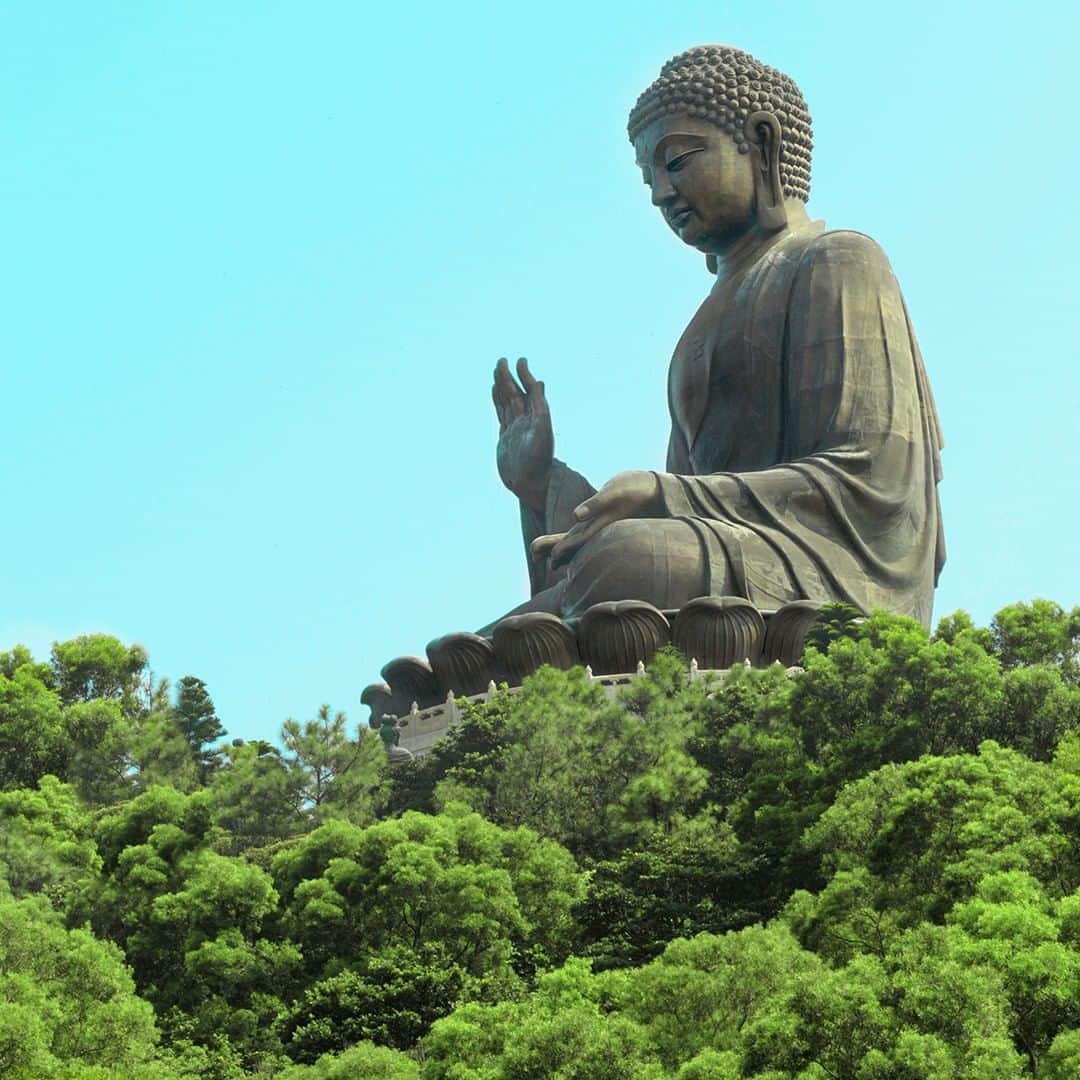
<point>526,441</point>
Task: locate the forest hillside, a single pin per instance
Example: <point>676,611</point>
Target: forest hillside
<point>869,869</point>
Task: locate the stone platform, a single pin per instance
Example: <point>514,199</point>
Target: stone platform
<point>614,641</point>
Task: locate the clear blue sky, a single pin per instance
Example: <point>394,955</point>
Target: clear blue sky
<point>261,258</point>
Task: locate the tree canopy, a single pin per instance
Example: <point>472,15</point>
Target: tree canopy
<point>869,869</point>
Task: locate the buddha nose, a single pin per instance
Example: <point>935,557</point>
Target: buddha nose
<point>662,191</point>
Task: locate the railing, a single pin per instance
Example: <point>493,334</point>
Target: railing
<point>421,729</point>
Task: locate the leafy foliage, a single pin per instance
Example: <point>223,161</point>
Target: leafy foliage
<point>66,997</point>
<point>868,870</point>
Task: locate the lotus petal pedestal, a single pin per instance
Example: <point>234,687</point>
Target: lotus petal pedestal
<point>464,663</point>
<point>614,637</point>
<point>719,631</point>
<point>411,680</point>
<point>377,697</point>
<point>785,632</point>
<point>525,642</point>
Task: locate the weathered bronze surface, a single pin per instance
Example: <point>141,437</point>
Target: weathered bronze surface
<point>719,631</point>
<point>804,454</point>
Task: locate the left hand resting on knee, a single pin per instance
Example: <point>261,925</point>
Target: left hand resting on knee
<point>631,494</point>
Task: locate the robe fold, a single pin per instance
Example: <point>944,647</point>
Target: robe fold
<point>804,453</point>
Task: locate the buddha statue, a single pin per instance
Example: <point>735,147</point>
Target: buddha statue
<point>804,455</point>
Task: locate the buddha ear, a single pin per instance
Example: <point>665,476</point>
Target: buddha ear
<point>765,136</point>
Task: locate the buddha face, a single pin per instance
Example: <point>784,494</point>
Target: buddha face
<point>703,186</point>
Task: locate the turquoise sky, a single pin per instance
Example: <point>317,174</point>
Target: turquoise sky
<point>261,259</point>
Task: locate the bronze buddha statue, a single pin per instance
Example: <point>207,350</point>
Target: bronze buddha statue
<point>804,455</point>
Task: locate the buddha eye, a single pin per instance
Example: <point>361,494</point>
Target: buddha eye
<point>679,160</point>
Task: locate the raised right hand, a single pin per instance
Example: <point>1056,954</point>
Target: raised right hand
<point>526,441</point>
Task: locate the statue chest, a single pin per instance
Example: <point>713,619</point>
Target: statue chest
<point>725,385</point>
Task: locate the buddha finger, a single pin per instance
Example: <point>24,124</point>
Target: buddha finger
<point>575,539</point>
<point>528,381</point>
<point>614,500</point>
<point>513,400</point>
<point>506,382</point>
<point>500,409</point>
<point>591,506</point>
<point>537,401</point>
<point>512,394</point>
<point>534,388</point>
<point>565,550</point>
<point>543,544</point>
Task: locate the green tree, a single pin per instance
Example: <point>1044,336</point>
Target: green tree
<point>915,1015</point>
<point>747,1003</point>
<point>159,754</point>
<point>1041,632</point>
<point>836,620</point>
<point>391,1000</point>
<point>46,842</point>
<point>31,725</point>
<point>950,627</point>
<point>488,899</point>
<point>1067,755</point>
<point>256,797</point>
<point>197,718</point>
<point>141,844</point>
<point>703,992</point>
<point>593,774</point>
<point>1062,1060</point>
<point>741,731</point>
<point>97,666</point>
<point>892,694</point>
<point>1033,945</point>
<point>20,657</point>
<point>468,752</point>
<point>66,999</point>
<point>362,1060</point>
<point>99,739</point>
<point>884,693</point>
<point>763,781</point>
<point>171,741</point>
<point>190,922</point>
<point>908,842</point>
<point>930,894</point>
<point>1039,710</point>
<point>698,877</point>
<point>565,1029</point>
<point>97,718</point>
<point>336,777</point>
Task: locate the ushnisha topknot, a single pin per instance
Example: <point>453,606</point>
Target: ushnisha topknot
<point>724,86</point>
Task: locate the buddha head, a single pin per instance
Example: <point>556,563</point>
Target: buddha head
<point>723,142</point>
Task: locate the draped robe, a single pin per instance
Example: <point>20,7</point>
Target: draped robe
<point>804,453</point>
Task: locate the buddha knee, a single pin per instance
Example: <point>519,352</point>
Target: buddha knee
<point>631,534</point>
<point>653,559</point>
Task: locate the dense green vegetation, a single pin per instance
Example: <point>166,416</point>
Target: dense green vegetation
<point>871,870</point>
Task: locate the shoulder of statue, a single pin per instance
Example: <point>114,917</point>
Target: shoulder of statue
<point>843,258</point>
<point>845,245</point>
